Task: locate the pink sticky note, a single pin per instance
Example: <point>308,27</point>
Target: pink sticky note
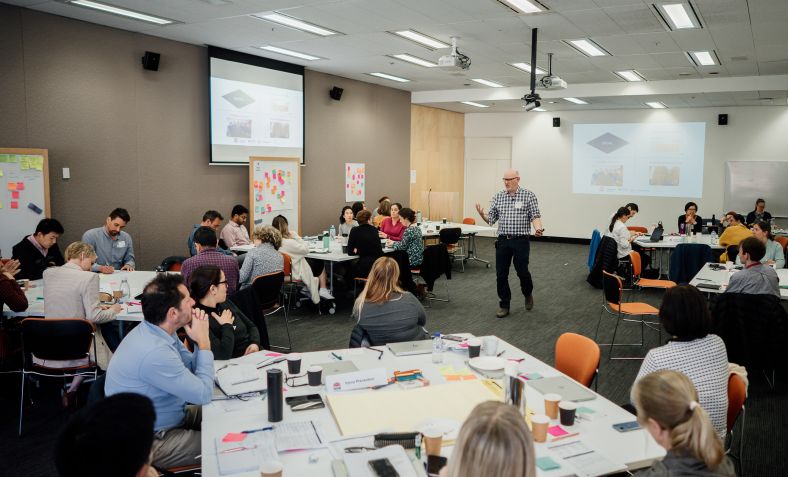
<point>234,437</point>
<point>274,354</point>
<point>20,186</point>
<point>556,431</point>
<point>14,205</point>
<point>15,194</point>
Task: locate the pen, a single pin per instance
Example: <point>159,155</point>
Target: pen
<point>703,279</point>
<point>269,428</point>
<point>336,356</point>
<point>499,354</point>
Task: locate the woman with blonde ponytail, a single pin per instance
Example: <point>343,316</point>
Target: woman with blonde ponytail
<point>667,406</point>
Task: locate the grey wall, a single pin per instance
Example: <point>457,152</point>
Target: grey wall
<point>139,139</point>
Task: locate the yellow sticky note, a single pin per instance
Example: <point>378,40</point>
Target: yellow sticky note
<point>1,205</point>
<point>37,162</point>
<point>1,173</point>
<point>24,163</point>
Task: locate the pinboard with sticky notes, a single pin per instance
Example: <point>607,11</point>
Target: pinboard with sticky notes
<point>24,199</point>
<point>275,189</point>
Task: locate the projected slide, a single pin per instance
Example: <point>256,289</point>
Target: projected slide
<point>653,159</point>
<point>255,111</point>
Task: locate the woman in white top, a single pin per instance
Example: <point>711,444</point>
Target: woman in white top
<point>312,273</point>
<point>774,251</point>
<point>346,221</point>
<point>620,233</point>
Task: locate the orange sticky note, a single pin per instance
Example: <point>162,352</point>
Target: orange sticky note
<point>14,204</point>
<point>15,194</point>
<point>20,186</point>
<point>12,186</point>
<point>234,437</point>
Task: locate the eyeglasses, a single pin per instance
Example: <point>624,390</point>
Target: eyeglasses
<point>290,381</point>
<point>223,282</point>
<point>511,179</point>
<point>380,352</point>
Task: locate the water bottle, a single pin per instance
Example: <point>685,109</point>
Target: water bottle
<point>332,232</point>
<point>326,240</point>
<point>514,389</point>
<point>437,348</point>
<point>125,290</point>
<point>714,239</point>
<point>418,216</point>
<point>681,228</point>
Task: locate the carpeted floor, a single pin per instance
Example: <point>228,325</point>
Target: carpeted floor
<point>563,302</point>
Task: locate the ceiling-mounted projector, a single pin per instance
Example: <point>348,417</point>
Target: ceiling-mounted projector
<point>551,81</point>
<point>454,61</point>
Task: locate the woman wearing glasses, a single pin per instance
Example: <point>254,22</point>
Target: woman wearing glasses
<point>232,334</point>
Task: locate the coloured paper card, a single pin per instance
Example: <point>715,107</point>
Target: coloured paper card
<point>355,181</point>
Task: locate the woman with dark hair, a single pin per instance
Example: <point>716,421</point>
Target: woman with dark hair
<point>364,242</point>
<point>690,221</point>
<point>391,228</point>
<point>412,241</point>
<point>232,334</point>
<point>346,221</point>
<point>358,207</point>
<point>693,350</point>
<point>774,251</point>
<point>619,232</point>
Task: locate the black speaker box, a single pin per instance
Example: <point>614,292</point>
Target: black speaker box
<point>722,119</point>
<point>335,93</point>
<point>151,61</point>
<point>556,122</point>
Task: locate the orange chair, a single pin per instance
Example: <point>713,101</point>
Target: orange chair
<point>639,282</point>
<point>577,357</point>
<point>637,228</point>
<point>472,221</point>
<point>737,395</point>
<point>613,303</point>
<point>782,241</point>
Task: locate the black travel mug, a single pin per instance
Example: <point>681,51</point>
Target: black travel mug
<point>275,398</point>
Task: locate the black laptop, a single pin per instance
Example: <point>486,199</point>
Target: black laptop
<point>656,235</point>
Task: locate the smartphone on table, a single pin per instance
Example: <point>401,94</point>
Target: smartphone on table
<point>383,468</point>
<point>626,426</point>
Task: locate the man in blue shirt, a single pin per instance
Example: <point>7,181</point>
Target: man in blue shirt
<point>113,246</point>
<point>152,361</point>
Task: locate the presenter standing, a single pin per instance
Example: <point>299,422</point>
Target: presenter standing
<point>516,209</point>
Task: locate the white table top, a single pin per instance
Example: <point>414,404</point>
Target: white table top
<point>722,277</point>
<point>671,241</point>
<point>428,229</point>
<point>636,449</point>
<point>137,281</point>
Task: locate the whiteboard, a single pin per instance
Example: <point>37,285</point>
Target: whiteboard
<point>275,189</point>
<point>24,175</point>
<point>746,181</point>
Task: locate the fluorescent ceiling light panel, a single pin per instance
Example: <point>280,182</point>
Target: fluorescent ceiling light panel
<point>527,68</point>
<point>588,47</point>
<point>575,100</point>
<point>489,83</point>
<point>630,75</point>
<point>415,60</point>
<point>389,77</point>
<point>703,58</point>
<point>524,6</point>
<point>471,103</point>
<point>679,16</point>
<point>103,7</point>
<point>295,23</point>
<point>656,105</point>
<point>295,54</point>
<point>421,39</point>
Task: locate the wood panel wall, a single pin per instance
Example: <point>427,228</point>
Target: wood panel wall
<point>437,154</point>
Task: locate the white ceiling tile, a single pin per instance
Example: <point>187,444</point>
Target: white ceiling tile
<point>772,53</point>
<point>694,40</point>
<point>635,18</point>
<point>773,68</point>
<point>723,12</point>
<point>771,33</point>
<point>656,42</point>
<point>668,60</point>
<point>593,23</point>
<point>741,68</point>
<point>619,45</point>
<point>563,6</point>
<point>768,11</point>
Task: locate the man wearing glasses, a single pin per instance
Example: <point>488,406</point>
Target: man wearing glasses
<point>515,209</point>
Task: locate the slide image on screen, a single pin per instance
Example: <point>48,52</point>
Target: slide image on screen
<point>255,111</point>
<point>649,159</point>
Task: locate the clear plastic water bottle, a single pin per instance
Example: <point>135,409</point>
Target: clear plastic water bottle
<point>332,232</point>
<point>418,216</point>
<point>437,348</point>
<point>125,290</point>
<point>714,239</point>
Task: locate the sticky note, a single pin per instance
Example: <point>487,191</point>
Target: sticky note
<point>1,173</point>
<point>1,205</point>
<point>37,162</point>
<point>234,437</point>
<point>274,354</point>
<point>24,163</point>
<point>14,204</point>
<point>546,463</point>
<point>532,376</point>
<point>12,186</point>
<point>15,194</point>
<point>20,186</point>
<point>585,410</point>
<point>556,431</point>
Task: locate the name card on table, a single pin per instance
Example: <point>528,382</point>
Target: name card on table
<point>363,379</point>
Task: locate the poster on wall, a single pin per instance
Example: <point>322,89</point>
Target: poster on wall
<point>274,188</point>
<point>355,180</point>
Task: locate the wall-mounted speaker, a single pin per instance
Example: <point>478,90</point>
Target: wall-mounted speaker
<point>556,122</point>
<point>335,93</point>
<point>151,61</point>
<point>722,119</point>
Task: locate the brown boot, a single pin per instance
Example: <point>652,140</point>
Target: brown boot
<point>529,302</point>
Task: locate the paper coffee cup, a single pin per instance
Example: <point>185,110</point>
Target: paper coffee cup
<point>567,411</point>
<point>490,346</point>
<point>551,405</point>
<point>293,363</point>
<point>474,348</point>
<point>315,375</point>
<point>271,468</point>
<point>539,425</point>
<point>433,438</point>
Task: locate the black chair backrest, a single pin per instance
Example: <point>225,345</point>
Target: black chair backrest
<point>611,286</point>
<point>451,235</point>
<point>57,338</point>
<point>732,251</point>
<point>268,288</point>
<point>171,263</point>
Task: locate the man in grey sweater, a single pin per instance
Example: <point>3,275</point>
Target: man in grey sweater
<point>756,278</point>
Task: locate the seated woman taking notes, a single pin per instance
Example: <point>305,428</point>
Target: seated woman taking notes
<point>774,251</point>
<point>621,234</point>
<point>346,221</point>
<point>264,257</point>
<point>232,334</point>
<point>311,272</point>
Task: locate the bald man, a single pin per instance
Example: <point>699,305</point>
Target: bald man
<point>515,209</point>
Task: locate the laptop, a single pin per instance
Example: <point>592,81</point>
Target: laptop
<point>410,348</point>
<point>568,389</point>
<point>656,235</point>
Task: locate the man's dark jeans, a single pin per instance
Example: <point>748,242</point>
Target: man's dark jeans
<point>519,249</point>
